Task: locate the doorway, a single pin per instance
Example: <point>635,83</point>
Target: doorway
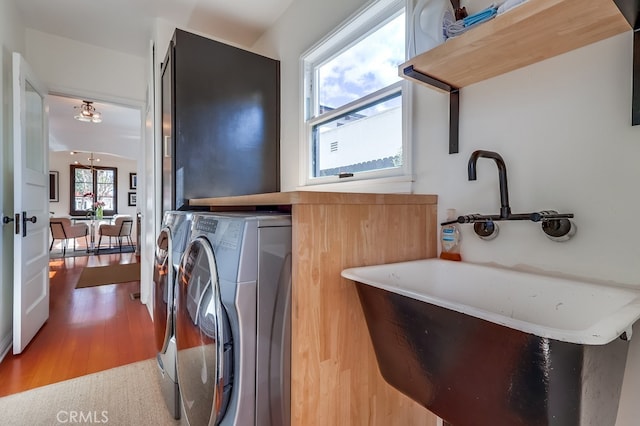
<point>114,143</point>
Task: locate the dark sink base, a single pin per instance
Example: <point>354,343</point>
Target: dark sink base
<point>473,372</point>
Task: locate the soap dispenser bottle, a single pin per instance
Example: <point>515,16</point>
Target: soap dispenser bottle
<point>450,238</point>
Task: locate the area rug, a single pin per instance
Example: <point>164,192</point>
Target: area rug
<point>111,274</point>
<point>127,395</point>
<point>58,254</point>
<point>125,249</point>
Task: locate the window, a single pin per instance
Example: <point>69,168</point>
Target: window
<point>355,103</point>
<point>93,185</point>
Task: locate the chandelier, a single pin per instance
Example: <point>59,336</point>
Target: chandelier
<point>87,113</point>
<point>92,159</point>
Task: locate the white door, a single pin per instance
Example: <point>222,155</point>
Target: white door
<point>31,204</point>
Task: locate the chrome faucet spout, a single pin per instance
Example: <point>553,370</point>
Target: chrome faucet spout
<point>505,210</point>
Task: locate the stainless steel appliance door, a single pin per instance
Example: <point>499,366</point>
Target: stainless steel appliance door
<point>202,336</point>
<point>163,291</point>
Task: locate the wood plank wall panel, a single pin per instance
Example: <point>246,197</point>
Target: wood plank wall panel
<point>335,376</point>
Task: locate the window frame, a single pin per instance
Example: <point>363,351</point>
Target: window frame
<point>368,19</point>
<point>72,184</point>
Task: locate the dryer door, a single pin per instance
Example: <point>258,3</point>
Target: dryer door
<point>163,291</point>
<point>203,338</point>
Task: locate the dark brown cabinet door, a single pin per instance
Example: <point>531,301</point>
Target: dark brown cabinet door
<point>225,121</point>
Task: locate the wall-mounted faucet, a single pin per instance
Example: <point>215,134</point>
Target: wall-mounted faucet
<point>556,226</point>
<point>505,210</point>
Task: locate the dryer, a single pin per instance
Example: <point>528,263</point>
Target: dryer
<point>171,242</point>
<point>233,308</point>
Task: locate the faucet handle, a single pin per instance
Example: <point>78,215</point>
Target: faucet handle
<point>546,215</point>
<point>469,218</point>
<point>476,218</point>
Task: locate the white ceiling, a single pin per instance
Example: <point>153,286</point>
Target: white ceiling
<point>127,26</point>
<point>119,131</point>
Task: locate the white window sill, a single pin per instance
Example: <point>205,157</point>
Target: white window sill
<point>390,185</point>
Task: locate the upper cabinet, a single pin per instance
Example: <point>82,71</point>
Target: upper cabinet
<point>531,32</point>
<point>220,121</point>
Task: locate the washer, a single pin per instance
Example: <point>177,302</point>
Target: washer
<point>233,310</point>
<point>171,242</point>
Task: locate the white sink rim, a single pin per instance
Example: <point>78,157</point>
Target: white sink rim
<point>563,309</point>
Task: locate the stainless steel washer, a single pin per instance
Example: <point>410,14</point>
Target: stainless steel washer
<point>171,242</point>
<point>233,293</point>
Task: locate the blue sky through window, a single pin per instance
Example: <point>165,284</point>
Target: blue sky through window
<point>369,65</point>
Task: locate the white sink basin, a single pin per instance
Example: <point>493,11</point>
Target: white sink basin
<point>556,308</point>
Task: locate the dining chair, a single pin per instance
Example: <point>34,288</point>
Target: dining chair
<point>63,229</point>
<point>121,229</point>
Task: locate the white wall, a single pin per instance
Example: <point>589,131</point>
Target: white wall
<point>74,68</point>
<point>12,39</point>
<point>563,129</point>
<point>299,28</point>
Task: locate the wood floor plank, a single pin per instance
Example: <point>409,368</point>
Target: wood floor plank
<point>88,330</point>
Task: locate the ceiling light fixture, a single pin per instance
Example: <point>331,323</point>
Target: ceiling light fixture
<point>91,159</point>
<point>87,113</point>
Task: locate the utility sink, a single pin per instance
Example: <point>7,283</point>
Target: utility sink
<point>479,344</point>
<point>558,308</point>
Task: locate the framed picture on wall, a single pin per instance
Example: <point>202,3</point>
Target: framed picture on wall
<point>132,198</point>
<point>54,185</point>
<point>133,181</point>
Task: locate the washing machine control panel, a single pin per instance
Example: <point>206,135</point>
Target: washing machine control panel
<point>223,233</point>
<point>206,224</point>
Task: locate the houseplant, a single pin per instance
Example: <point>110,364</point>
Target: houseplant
<point>96,211</point>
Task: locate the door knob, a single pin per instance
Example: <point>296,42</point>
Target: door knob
<point>7,219</point>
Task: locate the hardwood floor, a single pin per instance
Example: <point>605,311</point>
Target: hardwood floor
<point>89,329</point>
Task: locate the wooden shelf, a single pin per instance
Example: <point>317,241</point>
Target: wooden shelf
<point>532,32</point>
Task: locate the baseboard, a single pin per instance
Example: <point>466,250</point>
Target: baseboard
<point>5,345</point>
